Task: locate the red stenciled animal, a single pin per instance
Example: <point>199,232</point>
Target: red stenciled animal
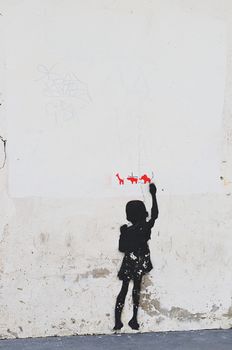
<point>145,179</point>
<point>121,181</point>
<point>132,179</point>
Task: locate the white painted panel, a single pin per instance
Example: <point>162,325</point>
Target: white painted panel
<point>93,93</point>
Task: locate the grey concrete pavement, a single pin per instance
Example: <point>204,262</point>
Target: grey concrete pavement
<point>193,340</point>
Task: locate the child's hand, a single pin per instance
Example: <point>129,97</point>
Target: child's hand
<point>152,189</point>
<point>123,228</point>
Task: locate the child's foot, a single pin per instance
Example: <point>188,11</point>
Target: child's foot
<point>118,326</point>
<point>133,324</point>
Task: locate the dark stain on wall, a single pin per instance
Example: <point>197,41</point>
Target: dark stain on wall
<point>12,333</point>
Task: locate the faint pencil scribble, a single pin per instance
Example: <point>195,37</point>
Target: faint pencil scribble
<point>61,110</point>
<point>66,94</point>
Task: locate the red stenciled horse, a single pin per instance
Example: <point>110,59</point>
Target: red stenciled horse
<point>132,179</point>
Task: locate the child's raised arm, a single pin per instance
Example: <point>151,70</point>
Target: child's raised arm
<point>154,209</point>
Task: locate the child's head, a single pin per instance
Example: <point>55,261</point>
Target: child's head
<point>136,211</point>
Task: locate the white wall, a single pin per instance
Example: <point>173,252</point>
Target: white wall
<point>89,89</point>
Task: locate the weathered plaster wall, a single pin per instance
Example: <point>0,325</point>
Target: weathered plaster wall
<point>59,258</point>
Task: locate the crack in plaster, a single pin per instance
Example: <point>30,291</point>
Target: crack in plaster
<point>4,148</point>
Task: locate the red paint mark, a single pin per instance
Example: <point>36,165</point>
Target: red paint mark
<point>145,179</point>
<point>132,179</point>
<point>121,181</point>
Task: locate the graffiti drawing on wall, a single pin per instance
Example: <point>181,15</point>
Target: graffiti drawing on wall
<point>133,179</point>
<point>133,242</point>
<point>120,181</point>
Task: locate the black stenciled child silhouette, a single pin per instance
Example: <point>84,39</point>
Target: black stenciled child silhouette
<point>136,262</point>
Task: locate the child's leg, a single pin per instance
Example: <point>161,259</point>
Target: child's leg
<point>136,296</point>
<point>119,305</point>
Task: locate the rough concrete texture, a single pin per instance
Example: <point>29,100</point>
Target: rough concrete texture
<point>59,258</point>
<point>192,340</point>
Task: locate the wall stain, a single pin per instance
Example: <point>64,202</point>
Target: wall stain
<point>95,273</point>
<point>229,313</point>
<point>116,261</point>
<point>61,324</point>
<point>153,308</point>
<point>68,240</point>
<point>214,308</point>
<point>160,319</point>
<point>5,233</point>
<point>148,304</point>
<point>147,281</point>
<point>100,273</point>
<point>44,237</point>
<point>183,314</point>
<point>226,182</point>
<point>40,240</point>
<point>12,333</point>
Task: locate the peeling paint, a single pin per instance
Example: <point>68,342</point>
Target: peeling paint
<point>95,273</point>
<point>147,281</point>
<point>148,305</point>
<point>185,315</point>
<point>100,273</point>
<point>153,307</point>
<point>229,313</point>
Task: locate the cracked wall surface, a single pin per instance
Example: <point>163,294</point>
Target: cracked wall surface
<point>3,152</point>
<point>59,257</point>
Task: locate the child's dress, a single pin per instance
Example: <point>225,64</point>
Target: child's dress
<point>133,242</point>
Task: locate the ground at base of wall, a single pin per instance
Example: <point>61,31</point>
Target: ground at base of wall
<point>191,340</point>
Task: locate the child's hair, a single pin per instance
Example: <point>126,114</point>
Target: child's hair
<point>136,211</point>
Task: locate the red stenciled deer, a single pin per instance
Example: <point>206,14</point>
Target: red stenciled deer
<point>121,181</point>
<point>145,179</point>
<point>132,179</point>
